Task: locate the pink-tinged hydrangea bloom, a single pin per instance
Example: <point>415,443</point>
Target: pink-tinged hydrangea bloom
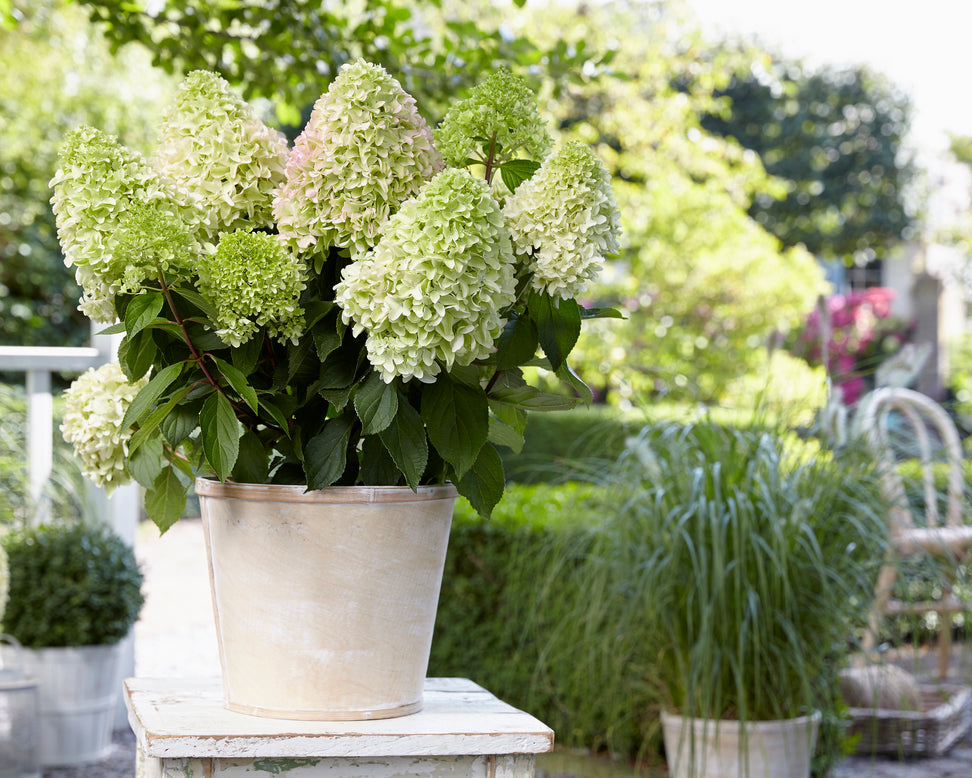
<point>364,150</point>
<point>100,190</point>
<point>252,280</point>
<point>501,109</point>
<point>431,291</point>
<point>564,220</point>
<point>224,161</point>
<point>94,407</point>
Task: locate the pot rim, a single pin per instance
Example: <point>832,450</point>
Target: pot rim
<point>298,493</point>
<point>676,719</point>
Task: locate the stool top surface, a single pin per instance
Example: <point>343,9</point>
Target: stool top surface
<point>186,717</point>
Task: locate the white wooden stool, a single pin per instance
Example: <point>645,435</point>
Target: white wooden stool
<point>182,730</point>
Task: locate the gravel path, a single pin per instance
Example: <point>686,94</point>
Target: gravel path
<point>175,637</point>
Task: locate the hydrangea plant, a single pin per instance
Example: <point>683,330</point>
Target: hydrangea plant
<point>345,312</point>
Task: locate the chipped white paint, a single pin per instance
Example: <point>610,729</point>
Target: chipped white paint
<point>183,730</point>
<point>325,601</point>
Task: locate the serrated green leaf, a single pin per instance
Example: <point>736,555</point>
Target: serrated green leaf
<point>200,302</point>
<point>221,432</point>
<point>457,419</point>
<point>149,393</point>
<point>326,454</point>
<point>238,381</point>
<point>142,311</point>
<point>405,441</point>
<point>558,326</point>
<point>600,313</point>
<point>115,329</point>
<point>147,425</point>
<point>276,414</point>
<point>165,502</point>
<point>484,482</point>
<point>516,171</point>
<point>136,355</point>
<point>377,466</point>
<point>517,344</point>
<point>179,423</point>
<point>376,404</point>
<point>529,398</point>
<point>501,434</point>
<point>566,374</point>
<point>145,464</point>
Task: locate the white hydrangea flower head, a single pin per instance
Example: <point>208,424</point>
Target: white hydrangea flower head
<point>564,221</point>
<point>252,280</point>
<point>502,107</point>
<point>94,407</point>
<point>223,160</point>
<point>430,293</point>
<point>98,185</point>
<point>363,152</point>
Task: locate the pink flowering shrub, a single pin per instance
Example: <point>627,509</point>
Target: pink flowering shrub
<point>863,334</point>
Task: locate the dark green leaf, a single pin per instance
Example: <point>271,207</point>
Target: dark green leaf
<point>142,311</point>
<point>149,393</point>
<point>337,398</point>
<point>115,329</point>
<point>529,398</point>
<point>376,404</point>
<point>328,334</point>
<point>600,313</point>
<point>165,502</point>
<point>246,356</point>
<point>179,424</point>
<point>238,381</point>
<point>483,484</point>
<point>558,326</point>
<point>517,344</point>
<point>326,454</point>
<point>276,414</point>
<point>377,466</point>
<point>457,419</point>
<point>136,355</point>
<point>405,441</point>
<point>198,301</point>
<point>221,432</point>
<point>148,424</point>
<point>252,464</point>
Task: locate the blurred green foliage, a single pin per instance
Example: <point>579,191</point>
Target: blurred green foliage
<point>56,73</point>
<point>836,138</point>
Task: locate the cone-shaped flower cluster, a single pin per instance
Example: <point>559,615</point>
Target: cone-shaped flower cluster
<point>94,407</point>
<point>252,280</point>
<point>364,151</point>
<point>432,289</point>
<point>564,220</point>
<point>98,183</point>
<point>502,109</point>
<point>224,161</point>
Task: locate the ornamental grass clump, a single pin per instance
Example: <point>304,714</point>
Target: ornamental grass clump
<point>345,312</point>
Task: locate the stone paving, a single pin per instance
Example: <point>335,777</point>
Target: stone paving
<point>175,636</point>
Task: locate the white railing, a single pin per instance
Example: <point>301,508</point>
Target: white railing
<point>38,363</point>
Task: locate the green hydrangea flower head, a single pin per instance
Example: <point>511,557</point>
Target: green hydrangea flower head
<point>224,161</point>
<point>98,185</point>
<point>364,151</point>
<point>252,280</point>
<point>150,240</point>
<point>94,407</point>
<point>430,293</point>
<point>502,107</point>
<point>564,220</point>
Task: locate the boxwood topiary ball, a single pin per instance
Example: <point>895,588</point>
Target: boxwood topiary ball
<point>70,585</point>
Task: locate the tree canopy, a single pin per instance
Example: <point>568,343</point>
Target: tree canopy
<point>836,137</point>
